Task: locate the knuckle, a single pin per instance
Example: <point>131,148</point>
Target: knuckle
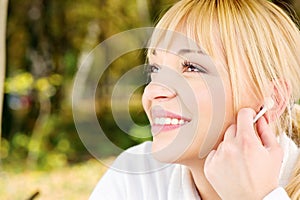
<point>207,174</point>
<point>207,171</point>
<point>210,172</point>
<point>220,146</point>
<point>245,112</point>
<point>231,129</point>
<point>228,149</point>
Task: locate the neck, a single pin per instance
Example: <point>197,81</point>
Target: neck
<point>204,188</point>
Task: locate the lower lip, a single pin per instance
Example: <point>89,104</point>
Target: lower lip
<point>155,129</point>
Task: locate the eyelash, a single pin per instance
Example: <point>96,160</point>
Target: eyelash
<point>186,66</point>
<point>150,69</point>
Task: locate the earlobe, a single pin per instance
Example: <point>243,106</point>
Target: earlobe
<point>281,94</point>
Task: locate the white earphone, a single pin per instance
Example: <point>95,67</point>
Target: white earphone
<point>268,104</point>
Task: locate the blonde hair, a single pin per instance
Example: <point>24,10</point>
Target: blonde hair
<point>255,34</point>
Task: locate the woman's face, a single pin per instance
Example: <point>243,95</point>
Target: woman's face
<point>189,103</point>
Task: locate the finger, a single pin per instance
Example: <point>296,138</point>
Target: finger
<point>210,157</point>
<point>265,133</point>
<point>230,132</point>
<point>207,167</point>
<point>245,122</point>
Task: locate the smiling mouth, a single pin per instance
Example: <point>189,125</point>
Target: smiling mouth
<point>166,121</point>
<point>169,121</point>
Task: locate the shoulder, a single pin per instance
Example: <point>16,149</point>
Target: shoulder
<point>135,175</point>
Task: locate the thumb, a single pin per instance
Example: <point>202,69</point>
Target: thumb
<point>265,133</point>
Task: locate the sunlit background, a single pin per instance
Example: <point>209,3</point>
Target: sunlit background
<point>41,154</point>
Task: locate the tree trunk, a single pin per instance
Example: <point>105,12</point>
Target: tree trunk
<point>3,16</point>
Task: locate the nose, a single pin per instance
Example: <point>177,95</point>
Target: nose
<point>158,92</point>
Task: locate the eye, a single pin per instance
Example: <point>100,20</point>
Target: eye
<point>192,67</point>
<point>152,69</point>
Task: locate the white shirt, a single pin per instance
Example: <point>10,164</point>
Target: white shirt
<point>135,175</point>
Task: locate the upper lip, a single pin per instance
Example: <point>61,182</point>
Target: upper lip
<point>158,113</point>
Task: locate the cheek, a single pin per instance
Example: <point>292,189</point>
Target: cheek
<point>212,121</point>
<point>227,115</point>
<point>204,106</point>
<point>204,114</point>
<point>204,121</point>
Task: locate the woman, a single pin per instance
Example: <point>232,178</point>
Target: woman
<point>202,100</point>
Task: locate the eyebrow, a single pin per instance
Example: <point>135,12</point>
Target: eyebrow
<point>183,51</point>
<point>186,51</point>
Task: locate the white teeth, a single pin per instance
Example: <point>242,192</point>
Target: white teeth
<point>168,121</point>
<point>174,121</point>
<point>181,121</point>
<point>161,121</point>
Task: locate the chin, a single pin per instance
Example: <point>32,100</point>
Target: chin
<point>168,153</point>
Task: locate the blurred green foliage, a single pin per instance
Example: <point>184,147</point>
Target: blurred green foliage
<point>45,42</point>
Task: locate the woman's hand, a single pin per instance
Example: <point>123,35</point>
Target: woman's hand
<point>245,165</point>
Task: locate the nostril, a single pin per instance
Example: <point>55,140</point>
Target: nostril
<point>164,95</point>
<point>160,97</point>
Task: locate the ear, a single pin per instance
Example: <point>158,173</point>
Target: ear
<point>280,94</point>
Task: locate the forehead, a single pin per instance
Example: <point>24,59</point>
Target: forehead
<point>173,42</point>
